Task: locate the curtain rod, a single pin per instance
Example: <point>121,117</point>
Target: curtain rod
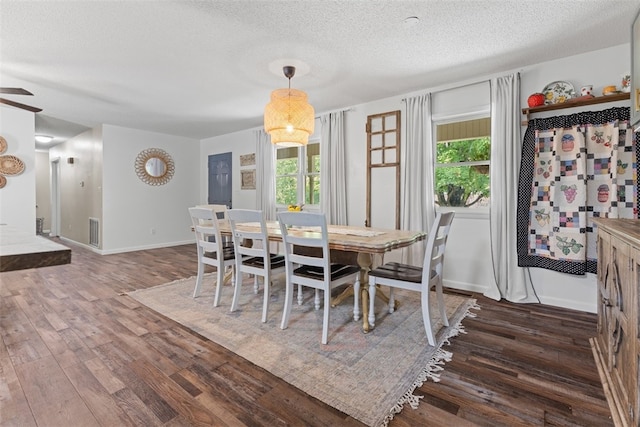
<point>317,116</point>
<point>468,82</point>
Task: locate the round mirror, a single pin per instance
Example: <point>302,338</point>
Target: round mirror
<point>154,166</point>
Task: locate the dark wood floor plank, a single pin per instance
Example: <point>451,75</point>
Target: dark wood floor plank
<point>14,408</point>
<point>97,398</point>
<point>76,350</point>
<point>52,398</point>
<point>176,397</point>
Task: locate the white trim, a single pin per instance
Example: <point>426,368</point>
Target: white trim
<point>465,286</point>
<point>445,118</point>
<point>467,213</point>
<point>129,249</point>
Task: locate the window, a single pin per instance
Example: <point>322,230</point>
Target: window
<point>298,175</point>
<point>462,163</point>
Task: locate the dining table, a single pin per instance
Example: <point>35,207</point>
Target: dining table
<point>349,245</point>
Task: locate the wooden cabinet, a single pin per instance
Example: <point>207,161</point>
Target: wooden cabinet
<point>616,347</point>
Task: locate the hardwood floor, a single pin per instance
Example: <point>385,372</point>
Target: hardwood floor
<point>76,351</point>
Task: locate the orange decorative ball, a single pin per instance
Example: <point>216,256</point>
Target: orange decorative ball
<point>536,100</point>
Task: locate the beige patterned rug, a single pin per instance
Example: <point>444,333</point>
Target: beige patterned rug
<point>368,376</point>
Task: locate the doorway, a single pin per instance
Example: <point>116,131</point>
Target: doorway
<point>55,198</point>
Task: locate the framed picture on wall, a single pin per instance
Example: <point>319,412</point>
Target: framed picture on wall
<point>248,159</point>
<point>248,179</point>
<point>635,72</point>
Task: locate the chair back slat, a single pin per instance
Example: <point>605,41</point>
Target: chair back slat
<point>206,228</point>
<point>305,229</point>
<point>436,244</point>
<point>249,242</point>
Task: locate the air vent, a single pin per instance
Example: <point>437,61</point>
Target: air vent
<point>94,232</point>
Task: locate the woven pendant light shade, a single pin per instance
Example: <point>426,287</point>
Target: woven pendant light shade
<point>288,117</point>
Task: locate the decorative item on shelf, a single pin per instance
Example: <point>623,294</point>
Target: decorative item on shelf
<point>586,90</point>
<point>295,208</point>
<point>535,100</point>
<point>626,83</point>
<point>580,98</point>
<point>3,145</point>
<point>288,117</point>
<point>558,92</point>
<point>610,90</point>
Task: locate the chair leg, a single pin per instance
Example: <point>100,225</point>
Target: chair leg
<point>316,300</point>
<point>198,288</point>
<point>372,300</point>
<point>288,302</point>
<point>236,292</point>
<point>255,284</point>
<point>219,285</point>
<point>267,295</point>
<point>443,310</point>
<point>426,317</point>
<point>325,317</point>
<point>356,298</point>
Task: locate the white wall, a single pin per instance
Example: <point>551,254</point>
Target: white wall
<point>18,197</point>
<point>141,216</point>
<point>468,254</point>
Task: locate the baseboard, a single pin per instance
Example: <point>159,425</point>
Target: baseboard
<point>570,304</point>
<point>546,300</point>
<point>145,247</point>
<point>464,286</point>
<point>130,249</point>
<point>84,245</point>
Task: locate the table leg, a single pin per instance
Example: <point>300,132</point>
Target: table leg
<point>365,261</point>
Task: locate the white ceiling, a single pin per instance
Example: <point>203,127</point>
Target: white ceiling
<point>206,68</point>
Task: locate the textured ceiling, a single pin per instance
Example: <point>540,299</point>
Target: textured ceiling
<point>206,68</point>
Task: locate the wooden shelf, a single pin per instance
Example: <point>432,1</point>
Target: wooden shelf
<point>572,104</point>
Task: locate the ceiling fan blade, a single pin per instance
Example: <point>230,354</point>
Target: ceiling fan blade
<point>19,105</point>
<point>15,91</point>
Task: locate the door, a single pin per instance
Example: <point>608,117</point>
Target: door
<point>220,182</point>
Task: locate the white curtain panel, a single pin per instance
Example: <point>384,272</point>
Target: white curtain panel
<point>333,191</point>
<point>265,173</point>
<point>511,282</point>
<point>418,205</point>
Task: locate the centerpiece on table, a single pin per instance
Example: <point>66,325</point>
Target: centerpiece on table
<point>295,208</point>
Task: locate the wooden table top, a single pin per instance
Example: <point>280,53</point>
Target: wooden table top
<point>350,238</point>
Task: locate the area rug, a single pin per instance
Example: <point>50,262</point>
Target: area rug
<point>367,376</point>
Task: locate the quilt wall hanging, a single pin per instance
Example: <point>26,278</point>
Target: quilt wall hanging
<point>574,168</point>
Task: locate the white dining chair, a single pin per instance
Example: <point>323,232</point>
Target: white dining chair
<point>253,255</point>
<point>212,249</point>
<point>419,279</point>
<point>305,269</point>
